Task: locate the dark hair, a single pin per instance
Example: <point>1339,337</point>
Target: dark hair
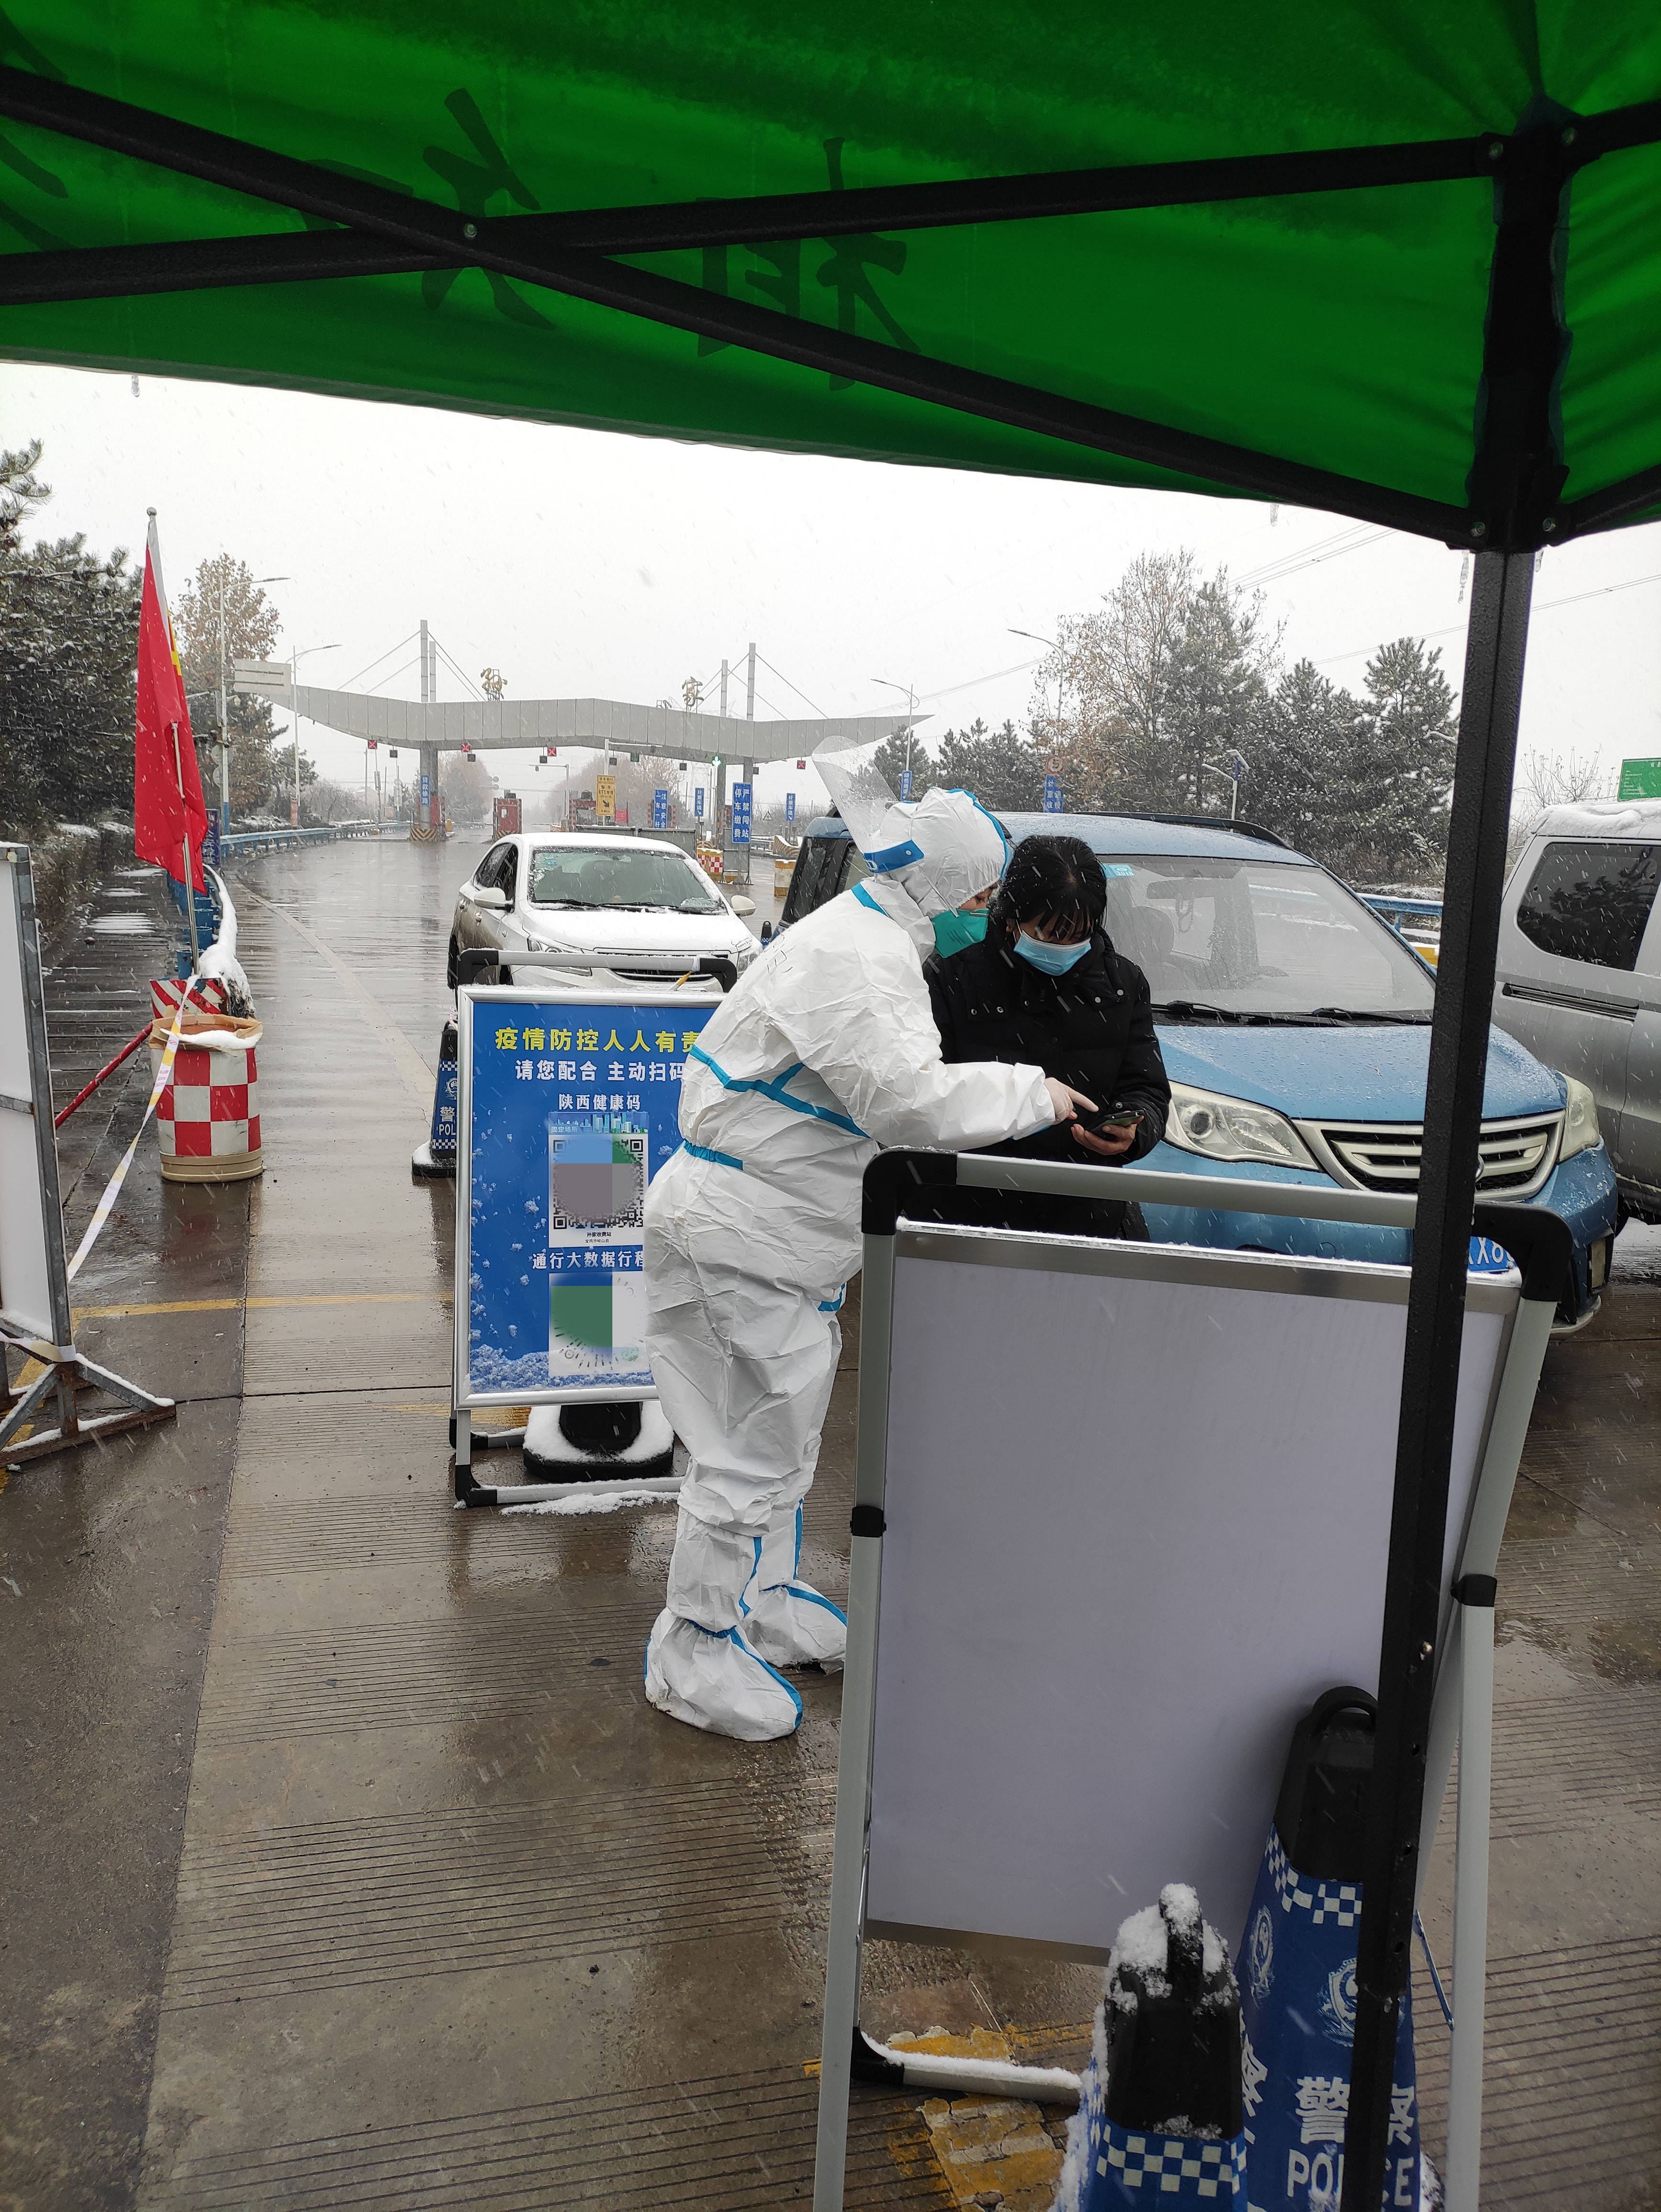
<point>1050,879</point>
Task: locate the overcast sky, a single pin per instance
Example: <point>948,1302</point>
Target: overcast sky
<point>582,564</point>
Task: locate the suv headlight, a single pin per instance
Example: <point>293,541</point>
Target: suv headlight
<point>1581,1129</point>
<point>1224,1128</point>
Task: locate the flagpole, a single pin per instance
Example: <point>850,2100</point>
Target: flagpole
<point>189,892</point>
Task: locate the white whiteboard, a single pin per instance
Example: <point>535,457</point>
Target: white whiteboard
<point>1138,1504</point>
<point>31,1226</point>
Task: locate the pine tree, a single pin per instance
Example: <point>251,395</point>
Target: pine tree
<point>68,646</point>
<point>1300,763</point>
<point>1402,774</point>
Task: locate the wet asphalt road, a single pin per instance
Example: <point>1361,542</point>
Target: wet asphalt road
<point>344,1861</point>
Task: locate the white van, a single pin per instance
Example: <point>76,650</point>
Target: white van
<point>1579,980</point>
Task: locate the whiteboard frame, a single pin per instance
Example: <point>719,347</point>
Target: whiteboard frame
<point>1464,1683</point>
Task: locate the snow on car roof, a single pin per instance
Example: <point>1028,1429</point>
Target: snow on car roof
<point>1602,818</point>
<point>587,840</point>
<point>1132,833</point>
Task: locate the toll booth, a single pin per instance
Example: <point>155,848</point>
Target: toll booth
<point>505,815</point>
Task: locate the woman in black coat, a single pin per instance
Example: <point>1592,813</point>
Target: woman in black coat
<point>1045,985</point>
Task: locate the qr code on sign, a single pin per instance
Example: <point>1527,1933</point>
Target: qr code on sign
<point>597,1180</point>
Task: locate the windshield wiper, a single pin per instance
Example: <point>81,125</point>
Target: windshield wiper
<point>1197,1009</point>
<point>567,906</point>
<point>1317,1017</point>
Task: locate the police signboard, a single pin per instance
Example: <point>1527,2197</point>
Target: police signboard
<point>660,809</point>
<point>569,1105</point>
<point>426,788</point>
<point>789,806</point>
<point>697,804</point>
<point>1640,779</point>
<point>905,783</point>
<point>1052,794</point>
<point>741,813</point>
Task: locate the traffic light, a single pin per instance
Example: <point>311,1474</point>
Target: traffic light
<point>373,742</point>
<point>801,763</point>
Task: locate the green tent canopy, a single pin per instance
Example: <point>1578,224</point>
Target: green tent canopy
<point>1220,249</point>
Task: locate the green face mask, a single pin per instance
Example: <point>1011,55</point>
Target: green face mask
<point>953,931</point>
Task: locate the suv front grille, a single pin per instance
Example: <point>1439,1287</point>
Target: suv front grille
<point>1515,1157</point>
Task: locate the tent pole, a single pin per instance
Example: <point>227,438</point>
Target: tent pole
<point>1496,644</point>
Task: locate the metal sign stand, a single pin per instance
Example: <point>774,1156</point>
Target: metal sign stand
<point>35,1320</point>
<point>1461,1712</point>
<point>712,976</point>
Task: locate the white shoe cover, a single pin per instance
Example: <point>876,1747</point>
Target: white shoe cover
<point>791,1626</point>
<point>717,1682</point>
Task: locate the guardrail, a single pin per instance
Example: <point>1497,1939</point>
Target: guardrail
<point>279,840</point>
<point>1423,914</point>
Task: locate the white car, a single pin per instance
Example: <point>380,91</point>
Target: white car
<point>638,903</point>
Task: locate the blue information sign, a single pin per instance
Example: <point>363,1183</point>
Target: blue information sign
<point>741,813</point>
<point>698,803</point>
<point>660,809</point>
<point>789,806</point>
<point>569,1106</point>
<point>1052,795</point>
<point>426,789</point>
<point>905,783</point>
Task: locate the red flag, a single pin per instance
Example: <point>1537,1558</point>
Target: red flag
<point>169,816</point>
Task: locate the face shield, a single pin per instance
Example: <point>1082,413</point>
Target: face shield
<point>945,849</point>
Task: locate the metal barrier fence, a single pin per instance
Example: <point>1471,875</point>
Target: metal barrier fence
<point>278,840</point>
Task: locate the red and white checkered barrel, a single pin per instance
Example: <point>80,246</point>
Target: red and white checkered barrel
<point>207,1118</point>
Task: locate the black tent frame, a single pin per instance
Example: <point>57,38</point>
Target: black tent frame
<point>1514,507</point>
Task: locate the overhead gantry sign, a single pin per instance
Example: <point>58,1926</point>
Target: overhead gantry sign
<point>528,725</point>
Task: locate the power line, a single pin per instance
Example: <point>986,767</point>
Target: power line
<point>456,669</point>
<point>379,658</point>
<point>1324,548</point>
<point>1546,607</point>
<point>796,688</point>
<point>975,682</point>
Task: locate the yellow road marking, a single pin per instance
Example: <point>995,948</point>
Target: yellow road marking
<point>514,1417</point>
<point>417,1076</point>
<point>236,1305</point>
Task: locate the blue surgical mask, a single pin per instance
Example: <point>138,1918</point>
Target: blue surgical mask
<point>959,928</point>
<point>1050,959</point>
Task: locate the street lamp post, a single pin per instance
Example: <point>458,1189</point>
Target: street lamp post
<point>295,659</point>
<point>224,699</point>
<point>889,684</point>
<point>1055,647</point>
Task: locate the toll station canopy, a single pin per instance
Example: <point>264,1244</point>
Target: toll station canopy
<point>1405,267</point>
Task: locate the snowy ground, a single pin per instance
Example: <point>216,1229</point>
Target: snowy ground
<point>1637,1255</point>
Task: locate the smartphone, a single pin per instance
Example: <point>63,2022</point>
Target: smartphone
<point>1112,1117</point>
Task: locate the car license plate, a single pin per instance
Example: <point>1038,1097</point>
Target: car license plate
<point>1487,1258</point>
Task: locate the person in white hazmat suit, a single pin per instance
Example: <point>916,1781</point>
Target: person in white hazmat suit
<point>824,1052</point>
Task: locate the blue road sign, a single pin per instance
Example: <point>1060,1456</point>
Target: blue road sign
<point>741,813</point>
<point>660,809</point>
<point>1052,795</point>
<point>905,783</point>
<point>697,804</point>
<point>426,789</point>
<point>789,806</point>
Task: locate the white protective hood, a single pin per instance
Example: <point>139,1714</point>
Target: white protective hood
<point>945,849</point>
